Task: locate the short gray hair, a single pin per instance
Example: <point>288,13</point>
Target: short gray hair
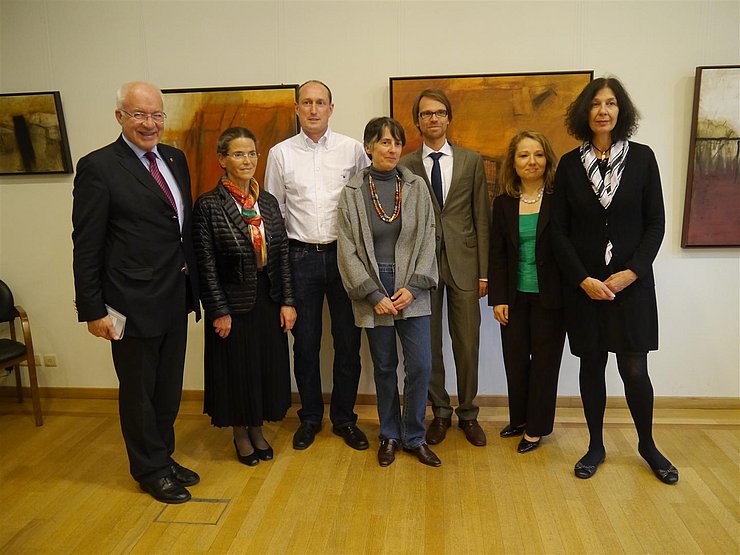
<point>124,90</point>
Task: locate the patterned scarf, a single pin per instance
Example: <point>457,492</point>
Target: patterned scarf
<point>247,202</point>
<point>605,187</point>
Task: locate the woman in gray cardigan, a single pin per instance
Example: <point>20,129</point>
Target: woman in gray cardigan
<point>386,258</point>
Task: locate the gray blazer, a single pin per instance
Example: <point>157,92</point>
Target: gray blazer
<point>416,263</point>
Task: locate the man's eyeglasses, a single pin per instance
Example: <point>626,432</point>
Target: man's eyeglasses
<point>157,117</point>
<point>428,114</point>
<point>239,155</point>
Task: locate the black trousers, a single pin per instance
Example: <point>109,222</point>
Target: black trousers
<point>533,348</point>
<point>150,371</point>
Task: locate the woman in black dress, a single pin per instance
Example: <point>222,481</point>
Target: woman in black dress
<point>608,224</point>
<point>247,294</point>
<point>525,288</point>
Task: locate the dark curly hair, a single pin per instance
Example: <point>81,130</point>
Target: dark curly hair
<point>577,116</point>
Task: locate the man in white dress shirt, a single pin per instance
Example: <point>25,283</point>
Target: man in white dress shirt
<point>307,173</point>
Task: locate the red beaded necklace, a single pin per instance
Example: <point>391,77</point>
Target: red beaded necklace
<point>396,202</point>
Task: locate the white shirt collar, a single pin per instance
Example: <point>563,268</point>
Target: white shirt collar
<point>138,151</point>
<point>446,149</point>
<point>323,141</point>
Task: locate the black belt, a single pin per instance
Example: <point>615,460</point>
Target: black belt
<point>314,247</point>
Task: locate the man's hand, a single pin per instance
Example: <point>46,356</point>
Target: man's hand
<point>103,327</point>
<point>482,288</point>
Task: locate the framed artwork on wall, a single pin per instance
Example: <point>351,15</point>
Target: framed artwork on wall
<point>711,216</point>
<point>33,137</point>
<point>196,118</point>
<point>490,109</point>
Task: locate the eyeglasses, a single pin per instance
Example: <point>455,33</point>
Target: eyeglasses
<point>239,155</point>
<point>428,114</point>
<point>157,117</point>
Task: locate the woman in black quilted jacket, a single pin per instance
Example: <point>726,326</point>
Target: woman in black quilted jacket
<point>247,294</point>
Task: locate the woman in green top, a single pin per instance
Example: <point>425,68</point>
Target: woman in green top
<point>524,284</point>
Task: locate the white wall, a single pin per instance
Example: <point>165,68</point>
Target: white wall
<point>86,49</point>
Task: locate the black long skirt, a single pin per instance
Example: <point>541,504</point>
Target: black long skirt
<point>247,374</point>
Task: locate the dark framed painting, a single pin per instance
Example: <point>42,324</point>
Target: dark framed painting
<point>33,137</point>
<point>196,118</point>
<point>711,216</point>
<point>490,109</point>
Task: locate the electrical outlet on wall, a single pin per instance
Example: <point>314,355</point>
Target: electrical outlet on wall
<point>50,360</point>
<point>38,359</point>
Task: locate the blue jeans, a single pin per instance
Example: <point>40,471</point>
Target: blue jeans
<point>415,334</point>
<point>316,275</point>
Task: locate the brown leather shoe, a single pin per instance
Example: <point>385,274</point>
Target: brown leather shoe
<point>425,455</point>
<point>387,451</point>
<point>437,430</point>
<point>473,432</point>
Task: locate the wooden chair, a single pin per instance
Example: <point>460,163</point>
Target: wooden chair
<point>13,352</point>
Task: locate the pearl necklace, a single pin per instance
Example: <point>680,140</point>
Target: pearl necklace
<point>535,200</point>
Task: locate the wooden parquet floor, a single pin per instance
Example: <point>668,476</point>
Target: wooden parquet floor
<point>65,488</point>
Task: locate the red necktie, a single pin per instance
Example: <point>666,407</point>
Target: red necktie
<point>159,178</point>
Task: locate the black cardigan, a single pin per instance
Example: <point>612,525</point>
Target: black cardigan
<point>226,258</point>
<point>503,259</point>
<point>635,224</point>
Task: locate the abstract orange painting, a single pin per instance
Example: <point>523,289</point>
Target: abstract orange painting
<point>490,109</point>
<point>196,118</point>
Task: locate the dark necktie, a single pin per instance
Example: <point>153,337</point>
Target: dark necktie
<point>159,178</point>
<point>437,176</point>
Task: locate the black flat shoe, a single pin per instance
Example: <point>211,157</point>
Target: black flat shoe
<point>265,454</point>
<point>525,446</point>
<point>585,471</point>
<point>250,460</point>
<point>353,436</point>
<point>667,476</point>
<point>512,431</point>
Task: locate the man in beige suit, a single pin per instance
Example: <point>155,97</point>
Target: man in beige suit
<point>456,181</point>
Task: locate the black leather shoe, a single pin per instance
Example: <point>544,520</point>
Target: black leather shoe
<point>305,434</point>
<point>437,430</point>
<point>250,460</point>
<point>166,490</point>
<point>585,471</point>
<point>265,454</point>
<point>425,455</point>
<point>353,436</point>
<point>184,476</point>
<point>525,446</point>
<point>512,431</point>
<point>667,476</point>
<point>387,451</point>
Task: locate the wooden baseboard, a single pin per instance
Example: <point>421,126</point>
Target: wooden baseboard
<point>564,401</point>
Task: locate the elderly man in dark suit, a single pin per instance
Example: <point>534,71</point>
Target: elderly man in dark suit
<point>133,253</point>
<point>457,183</point>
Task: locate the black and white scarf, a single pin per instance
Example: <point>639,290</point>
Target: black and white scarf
<point>605,187</point>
